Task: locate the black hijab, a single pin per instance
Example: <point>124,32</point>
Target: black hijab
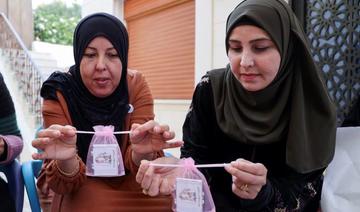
<point>87,110</point>
<point>295,108</point>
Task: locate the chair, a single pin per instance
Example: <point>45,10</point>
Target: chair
<point>12,172</point>
<point>30,171</point>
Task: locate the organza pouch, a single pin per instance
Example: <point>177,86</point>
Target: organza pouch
<point>104,157</point>
<point>192,193</point>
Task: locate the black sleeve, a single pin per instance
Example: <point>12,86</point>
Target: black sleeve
<point>197,128</point>
<point>296,192</point>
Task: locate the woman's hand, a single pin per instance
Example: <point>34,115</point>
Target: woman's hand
<point>2,146</point>
<point>56,142</point>
<point>248,178</point>
<point>152,137</point>
<point>157,180</point>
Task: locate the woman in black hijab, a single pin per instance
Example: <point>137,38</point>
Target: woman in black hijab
<point>267,113</point>
<point>98,90</point>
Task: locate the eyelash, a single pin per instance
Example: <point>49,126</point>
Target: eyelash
<point>112,55</point>
<point>260,49</point>
<point>92,55</point>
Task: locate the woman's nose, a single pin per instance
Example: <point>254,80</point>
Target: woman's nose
<point>100,64</point>
<point>247,59</point>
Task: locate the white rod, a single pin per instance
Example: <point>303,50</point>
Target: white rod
<point>211,165</point>
<point>92,132</point>
<point>84,132</point>
<point>122,132</point>
<point>165,165</point>
<point>197,166</point>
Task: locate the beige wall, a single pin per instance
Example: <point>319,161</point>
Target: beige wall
<point>210,34</point>
<point>19,13</point>
<point>222,9</point>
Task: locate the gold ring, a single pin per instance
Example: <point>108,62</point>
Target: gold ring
<point>244,187</point>
<point>145,191</point>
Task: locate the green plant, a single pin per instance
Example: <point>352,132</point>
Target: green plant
<point>55,22</point>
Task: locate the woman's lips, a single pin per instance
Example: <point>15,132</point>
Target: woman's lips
<point>102,81</point>
<point>248,77</point>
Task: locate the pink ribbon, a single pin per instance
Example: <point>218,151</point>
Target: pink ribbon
<point>189,164</point>
<point>104,130</point>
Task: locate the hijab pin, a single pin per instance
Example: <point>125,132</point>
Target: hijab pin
<point>131,108</point>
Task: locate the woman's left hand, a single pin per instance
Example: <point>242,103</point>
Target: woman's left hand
<point>248,178</point>
<point>152,137</point>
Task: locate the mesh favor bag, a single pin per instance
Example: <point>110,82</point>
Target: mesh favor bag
<point>104,157</point>
<point>192,193</point>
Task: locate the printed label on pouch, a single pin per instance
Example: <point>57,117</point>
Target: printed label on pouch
<point>105,159</point>
<point>189,195</point>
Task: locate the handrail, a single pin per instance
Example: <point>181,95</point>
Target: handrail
<point>13,31</point>
<point>28,75</point>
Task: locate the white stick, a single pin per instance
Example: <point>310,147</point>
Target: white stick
<point>84,132</point>
<point>211,165</point>
<point>197,166</point>
<point>92,132</point>
<point>122,132</point>
<point>165,165</point>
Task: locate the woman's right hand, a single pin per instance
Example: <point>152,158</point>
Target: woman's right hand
<point>56,142</point>
<point>248,178</point>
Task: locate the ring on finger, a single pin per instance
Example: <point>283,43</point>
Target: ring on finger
<point>145,191</point>
<point>244,187</point>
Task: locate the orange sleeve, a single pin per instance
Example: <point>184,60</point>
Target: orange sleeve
<point>141,98</point>
<point>62,184</point>
<point>56,112</point>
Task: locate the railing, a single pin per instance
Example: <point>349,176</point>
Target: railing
<point>26,73</point>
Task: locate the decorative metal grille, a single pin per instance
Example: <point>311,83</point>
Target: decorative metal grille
<point>333,28</point>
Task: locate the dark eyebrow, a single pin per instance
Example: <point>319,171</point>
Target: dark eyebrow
<point>261,39</point>
<point>234,41</point>
<point>112,48</point>
<point>231,41</point>
<point>89,47</point>
<point>93,48</point>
